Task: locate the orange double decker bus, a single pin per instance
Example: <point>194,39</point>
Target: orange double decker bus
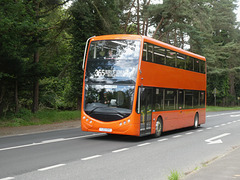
<point>135,85</point>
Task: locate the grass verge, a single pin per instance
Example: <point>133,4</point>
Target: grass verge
<point>218,108</point>
<point>26,118</point>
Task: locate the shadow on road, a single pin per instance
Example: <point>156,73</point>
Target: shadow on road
<point>124,138</point>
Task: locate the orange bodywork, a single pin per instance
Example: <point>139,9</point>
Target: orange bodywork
<point>152,75</point>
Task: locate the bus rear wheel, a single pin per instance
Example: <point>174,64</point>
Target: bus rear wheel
<point>159,127</point>
<point>196,121</point>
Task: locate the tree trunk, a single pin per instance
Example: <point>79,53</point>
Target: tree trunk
<point>79,100</point>
<point>138,18</point>
<point>35,61</point>
<point>232,87</point>
<point>127,20</point>
<point>160,23</point>
<point>2,92</point>
<point>36,85</point>
<point>16,97</point>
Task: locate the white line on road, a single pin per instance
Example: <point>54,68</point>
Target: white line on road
<point>48,141</point>
<point>53,140</point>
<point>143,144</point>
<point>216,139</point>
<point>161,140</point>
<point>200,130</point>
<point>8,178</point>
<point>223,114</point>
<point>51,167</point>
<point>177,136</point>
<point>235,115</point>
<point>209,128</point>
<point>120,150</point>
<point>91,157</point>
<point>217,126</point>
<point>189,133</point>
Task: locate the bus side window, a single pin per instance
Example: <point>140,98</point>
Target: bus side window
<point>202,67</point>
<point>190,63</point>
<point>170,58</point>
<point>196,100</point>
<point>159,99</point>
<point>196,65</point>
<point>150,53</point>
<point>170,99</point>
<point>181,61</point>
<point>202,99</point>
<point>188,99</point>
<point>180,99</point>
<point>159,55</point>
<point>144,54</point>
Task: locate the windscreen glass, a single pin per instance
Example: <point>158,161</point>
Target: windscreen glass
<point>110,78</point>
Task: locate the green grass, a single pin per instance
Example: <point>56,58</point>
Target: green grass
<point>174,175</point>
<point>218,108</point>
<point>26,118</point>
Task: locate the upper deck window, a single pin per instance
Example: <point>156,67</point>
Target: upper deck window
<point>160,55</point>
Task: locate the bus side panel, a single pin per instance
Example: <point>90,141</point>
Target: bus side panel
<point>156,75</point>
<point>178,119</point>
<point>202,116</point>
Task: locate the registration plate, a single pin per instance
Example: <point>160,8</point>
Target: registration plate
<point>105,129</point>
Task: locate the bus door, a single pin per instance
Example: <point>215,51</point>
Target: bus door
<point>146,110</point>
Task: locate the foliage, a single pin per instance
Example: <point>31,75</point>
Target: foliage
<point>25,118</point>
<point>174,175</point>
<point>42,44</point>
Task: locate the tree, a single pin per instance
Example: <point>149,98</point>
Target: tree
<point>89,18</point>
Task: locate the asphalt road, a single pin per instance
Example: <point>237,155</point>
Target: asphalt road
<point>73,154</point>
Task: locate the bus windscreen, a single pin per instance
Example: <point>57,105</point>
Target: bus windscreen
<point>110,78</point>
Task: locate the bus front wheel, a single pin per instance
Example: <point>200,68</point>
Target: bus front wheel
<point>159,127</point>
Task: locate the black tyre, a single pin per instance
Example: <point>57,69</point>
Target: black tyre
<point>159,127</point>
<point>196,121</point>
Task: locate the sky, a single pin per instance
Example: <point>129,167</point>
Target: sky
<point>238,11</point>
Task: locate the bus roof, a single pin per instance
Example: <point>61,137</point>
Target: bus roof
<point>147,39</point>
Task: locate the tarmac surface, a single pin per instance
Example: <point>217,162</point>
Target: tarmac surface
<point>224,168</point>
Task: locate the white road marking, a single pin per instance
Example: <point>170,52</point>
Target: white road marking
<point>48,141</point>
<point>177,136</point>
<point>223,124</point>
<point>161,140</point>
<point>200,130</point>
<point>120,150</point>
<point>216,140</point>
<point>189,133</point>
<point>235,115</point>
<point>53,140</point>
<point>91,157</point>
<point>223,114</point>
<point>51,167</point>
<point>143,144</point>
<point>8,178</point>
<point>217,126</point>
<point>209,128</point>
